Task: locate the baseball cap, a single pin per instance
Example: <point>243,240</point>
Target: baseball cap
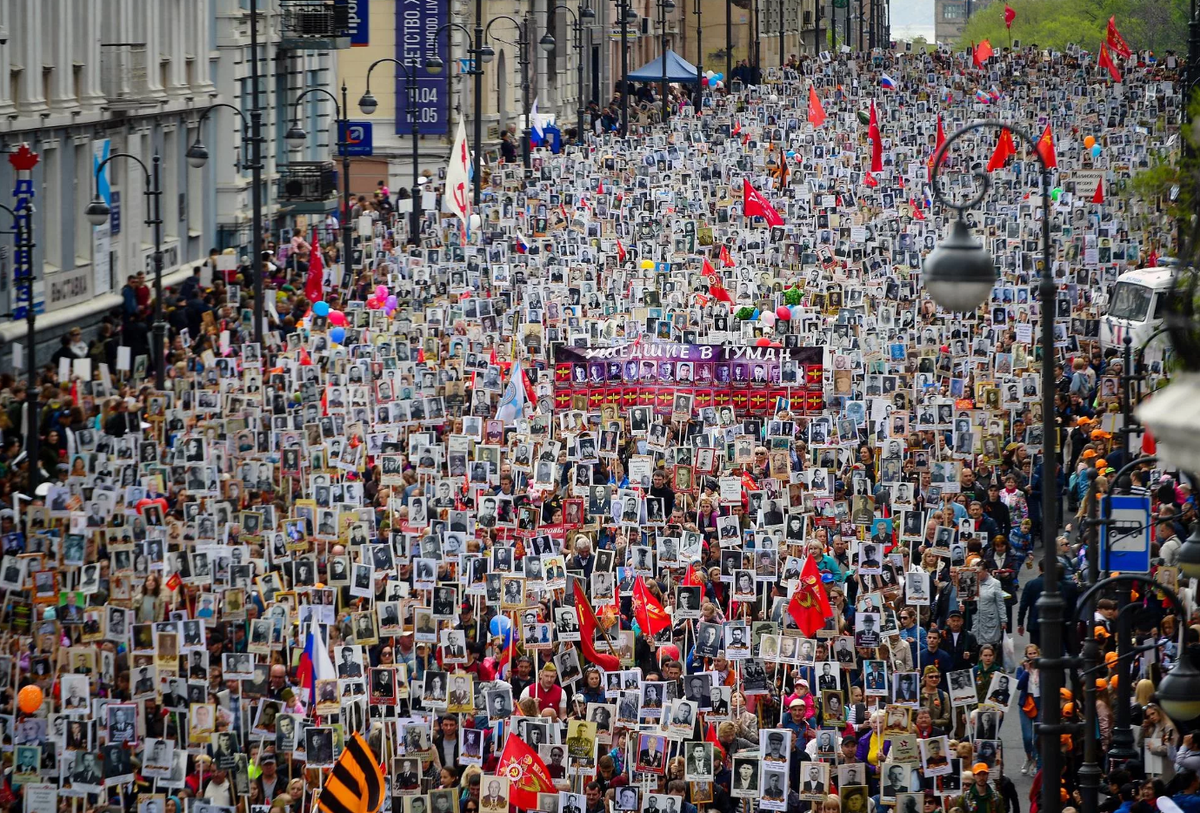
<point>980,767</point>
<point>954,613</point>
<point>795,702</point>
<point>802,682</point>
<point>1088,454</point>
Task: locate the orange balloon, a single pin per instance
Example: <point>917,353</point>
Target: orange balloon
<point>30,698</point>
<point>1089,142</point>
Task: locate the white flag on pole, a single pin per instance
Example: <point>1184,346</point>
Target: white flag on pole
<point>458,176</point>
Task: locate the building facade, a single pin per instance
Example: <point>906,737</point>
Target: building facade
<point>86,79</point>
<point>950,17</point>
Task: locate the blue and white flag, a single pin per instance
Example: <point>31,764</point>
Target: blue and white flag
<point>512,401</point>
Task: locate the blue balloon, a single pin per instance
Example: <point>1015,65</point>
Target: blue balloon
<point>321,308</point>
<point>337,335</point>
<point>791,153</point>
<point>718,77</point>
<point>755,314</point>
<point>1096,150</point>
<point>501,627</point>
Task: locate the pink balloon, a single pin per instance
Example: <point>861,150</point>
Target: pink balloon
<point>337,317</point>
<point>381,292</point>
<point>784,313</point>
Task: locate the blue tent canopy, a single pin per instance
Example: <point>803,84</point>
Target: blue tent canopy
<point>678,70</point>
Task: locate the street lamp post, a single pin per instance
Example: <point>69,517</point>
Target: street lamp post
<point>98,211</point>
<point>728,40</point>
<point>434,66</point>
<point>626,12</point>
<point>487,54</point>
<point>782,25</point>
<point>665,7</point>
<point>547,43</point>
<point>295,138</point>
<point>256,168</point>
<point>1091,664</point>
<point>368,104</point>
<point>699,56</point>
<point>197,156</point>
<point>959,275</point>
<point>22,230</point>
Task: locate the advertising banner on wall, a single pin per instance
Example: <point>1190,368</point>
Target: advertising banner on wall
<point>417,39</point>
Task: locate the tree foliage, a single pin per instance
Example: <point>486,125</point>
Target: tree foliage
<point>1160,25</point>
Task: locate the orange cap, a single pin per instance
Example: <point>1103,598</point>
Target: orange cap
<point>1088,454</point>
<point>980,767</point>
<point>1101,683</point>
<point>1110,658</point>
<point>1102,464</point>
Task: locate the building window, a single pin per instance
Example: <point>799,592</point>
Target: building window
<point>83,195</point>
<point>51,191</point>
<point>953,11</point>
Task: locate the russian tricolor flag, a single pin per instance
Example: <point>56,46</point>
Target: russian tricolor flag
<point>315,665</point>
<point>536,134</point>
<point>981,96</point>
<point>521,245</point>
<point>887,82</point>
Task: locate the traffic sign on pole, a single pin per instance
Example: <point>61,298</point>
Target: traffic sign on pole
<point>1125,539</point>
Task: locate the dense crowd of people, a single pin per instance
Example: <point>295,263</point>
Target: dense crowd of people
<point>703,513</point>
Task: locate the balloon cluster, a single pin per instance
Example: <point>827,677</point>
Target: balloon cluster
<point>712,79</point>
<point>1090,143</point>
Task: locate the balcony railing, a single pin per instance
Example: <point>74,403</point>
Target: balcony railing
<point>307,182</point>
<point>315,25</point>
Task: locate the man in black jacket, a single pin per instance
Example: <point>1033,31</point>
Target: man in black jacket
<point>958,643</point>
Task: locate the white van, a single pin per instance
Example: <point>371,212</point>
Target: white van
<point>1137,305</point>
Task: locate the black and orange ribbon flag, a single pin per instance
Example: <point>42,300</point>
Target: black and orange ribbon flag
<point>356,783</point>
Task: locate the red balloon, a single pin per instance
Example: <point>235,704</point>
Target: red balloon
<point>144,502</point>
<point>704,81</point>
<point>763,341</point>
<point>337,318</point>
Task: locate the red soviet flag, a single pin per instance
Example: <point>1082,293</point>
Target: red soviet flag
<point>876,141</point>
<point>1009,16</point>
<point>1045,148</point>
<point>648,610</point>
<point>1116,41</point>
<point>526,773</point>
<point>1098,196</point>
<point>941,139</point>
<point>314,286</point>
<point>1105,61</point>
<point>726,258</point>
<point>982,51</point>
<point>587,633</point>
<point>816,113</point>
<point>809,606</point>
<point>755,205</point>
<point>1005,148</point>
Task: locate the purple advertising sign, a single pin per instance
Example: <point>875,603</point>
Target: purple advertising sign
<point>417,23</point>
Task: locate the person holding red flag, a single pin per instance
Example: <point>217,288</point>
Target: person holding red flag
<point>809,606</point>
<point>588,624</point>
<point>527,774</point>
<point>648,610</point>
<point>755,205</point>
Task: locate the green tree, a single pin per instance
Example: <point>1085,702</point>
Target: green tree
<point>1160,25</point>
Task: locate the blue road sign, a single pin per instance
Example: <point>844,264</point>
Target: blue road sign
<point>1125,543</point>
<point>358,138</point>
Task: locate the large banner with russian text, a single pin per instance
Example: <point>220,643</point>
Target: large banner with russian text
<point>682,379</point>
